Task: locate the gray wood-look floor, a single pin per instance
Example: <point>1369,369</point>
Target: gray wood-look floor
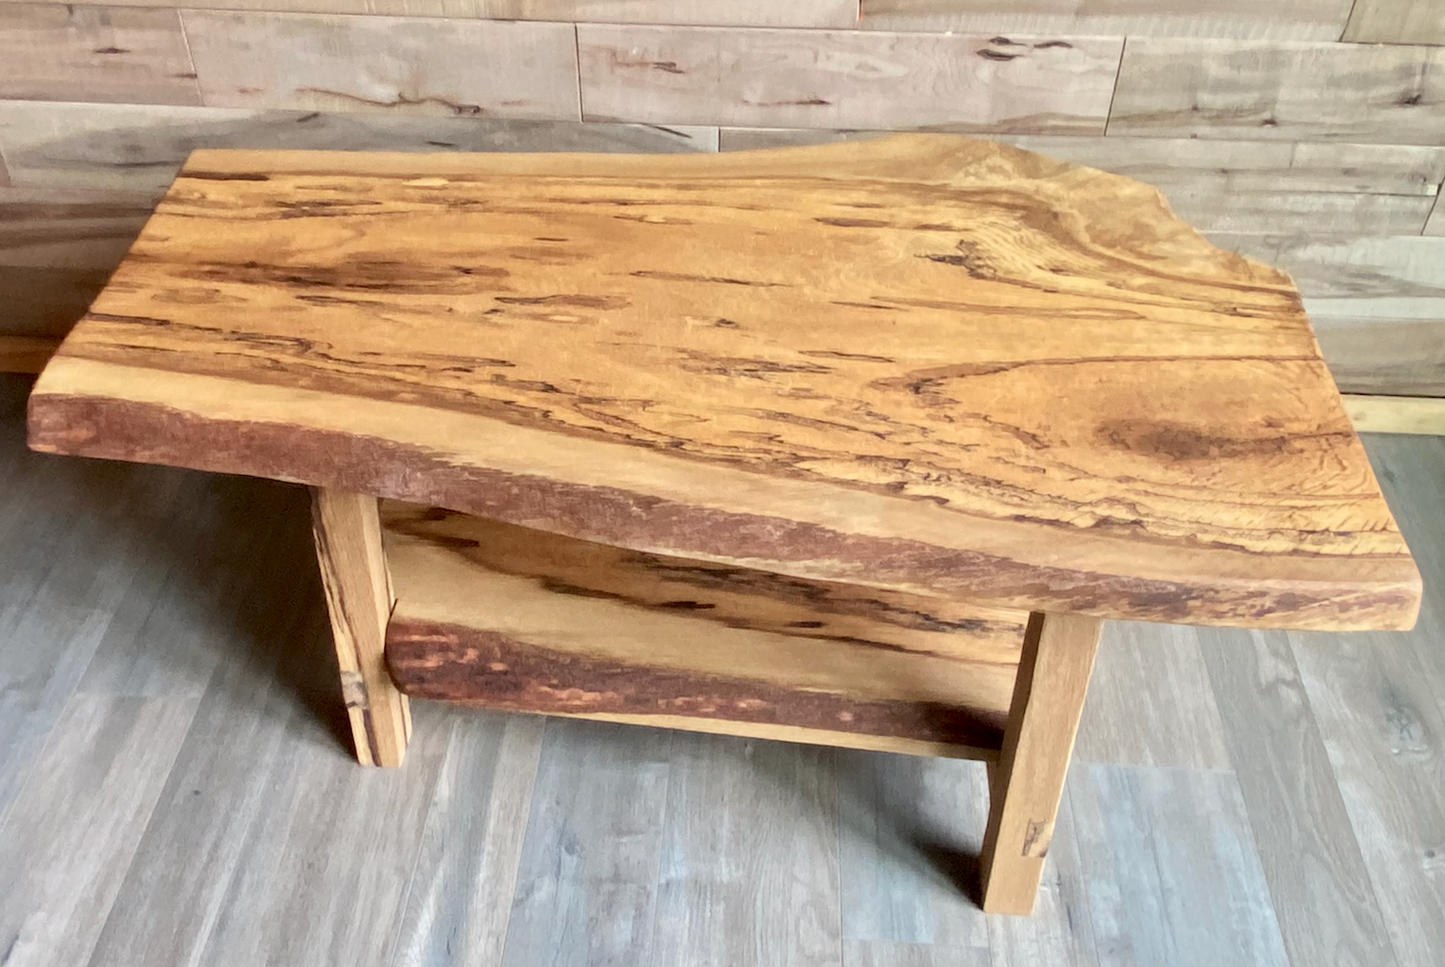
<point>176,785</point>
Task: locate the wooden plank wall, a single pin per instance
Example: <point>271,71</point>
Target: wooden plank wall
<point>1310,133</point>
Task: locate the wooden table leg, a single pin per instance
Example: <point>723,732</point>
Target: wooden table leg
<point>1027,783</point>
<point>359,597</point>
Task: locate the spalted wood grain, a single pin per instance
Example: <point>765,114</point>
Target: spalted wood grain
<point>88,53</point>
<point>1230,185</point>
<point>923,362</point>
<point>1280,91</point>
<point>359,599</point>
<point>514,618</point>
<point>470,68</point>
<point>1276,19</point>
<point>832,78</point>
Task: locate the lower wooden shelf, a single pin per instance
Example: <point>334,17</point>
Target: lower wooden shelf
<point>502,616</point>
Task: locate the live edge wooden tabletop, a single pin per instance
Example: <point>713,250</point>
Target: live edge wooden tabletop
<point>924,363</point>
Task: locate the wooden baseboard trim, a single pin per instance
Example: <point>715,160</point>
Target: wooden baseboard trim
<point>26,354</point>
<point>1396,414</point>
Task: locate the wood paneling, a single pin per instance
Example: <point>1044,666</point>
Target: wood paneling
<point>1368,354</point>
<point>698,75</point>
<point>129,147</point>
<point>1273,19</point>
<point>1435,224</point>
<point>471,68</point>
<point>1397,414</point>
<point>734,13</point>
<point>74,53</point>
<point>57,248</point>
<point>1256,186</point>
<point>59,228</point>
<point>1280,91</point>
<point>580,628</point>
<point>1397,22</point>
<point>1377,305</point>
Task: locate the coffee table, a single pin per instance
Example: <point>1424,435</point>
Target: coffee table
<point>855,444</point>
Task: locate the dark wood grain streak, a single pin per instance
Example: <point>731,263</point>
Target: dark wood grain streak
<point>728,596</point>
<point>459,664</point>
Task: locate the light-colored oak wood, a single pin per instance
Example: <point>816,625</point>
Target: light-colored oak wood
<point>1219,166</point>
<point>737,13</point>
<point>830,78</point>
<point>1025,786</point>
<point>1203,471</point>
<point>1275,20</point>
<point>68,52</point>
<point>1278,91</point>
<point>471,68</point>
<point>359,598</point>
<point>1396,22</point>
<point>1396,414</point>
<point>512,618</point>
<point>1063,898</point>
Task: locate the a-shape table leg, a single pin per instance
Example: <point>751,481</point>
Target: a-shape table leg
<point>347,530</point>
<point>1028,781</point>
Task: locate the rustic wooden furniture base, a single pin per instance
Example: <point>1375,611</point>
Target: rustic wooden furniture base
<point>855,444</point>
<point>440,605</point>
